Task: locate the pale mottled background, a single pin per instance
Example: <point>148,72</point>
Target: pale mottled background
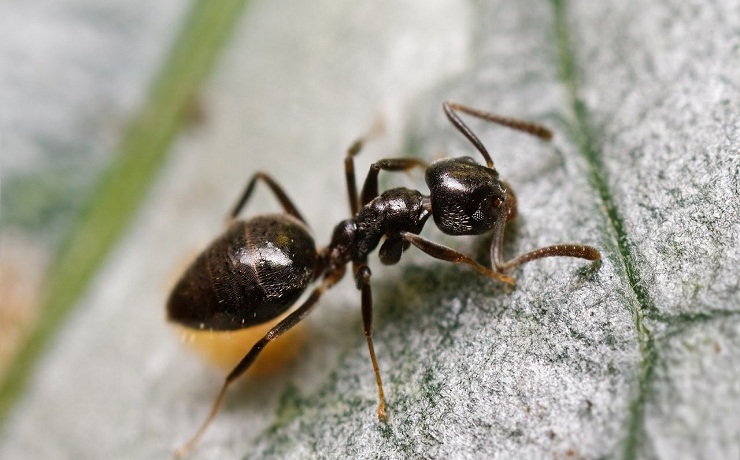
<point>638,360</point>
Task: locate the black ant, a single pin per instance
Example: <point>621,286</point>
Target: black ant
<point>259,267</point>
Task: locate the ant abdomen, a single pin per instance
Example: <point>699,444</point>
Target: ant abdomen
<point>251,274</point>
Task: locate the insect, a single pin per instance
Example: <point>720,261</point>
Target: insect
<point>258,268</point>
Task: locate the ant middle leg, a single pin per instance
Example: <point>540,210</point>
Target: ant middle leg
<point>349,163</point>
<point>370,187</point>
<point>362,278</point>
<point>282,197</point>
<point>283,326</point>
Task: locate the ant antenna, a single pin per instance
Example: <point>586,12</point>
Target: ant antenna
<point>519,125</point>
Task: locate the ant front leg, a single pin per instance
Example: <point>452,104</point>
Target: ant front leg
<point>450,255</point>
<point>282,327</point>
<point>362,277</point>
<point>282,197</point>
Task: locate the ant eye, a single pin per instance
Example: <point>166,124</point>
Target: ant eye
<point>490,202</point>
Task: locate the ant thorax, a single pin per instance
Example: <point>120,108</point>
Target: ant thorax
<point>394,211</point>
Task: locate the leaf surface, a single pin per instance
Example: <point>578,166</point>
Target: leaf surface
<point>637,359</point>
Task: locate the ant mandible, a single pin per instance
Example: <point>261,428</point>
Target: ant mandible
<point>259,267</point>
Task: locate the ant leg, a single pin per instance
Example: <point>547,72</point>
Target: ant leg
<point>283,326</point>
<point>362,277</point>
<point>349,164</point>
<point>370,188</point>
<point>450,109</point>
<point>349,173</point>
<point>450,255</point>
<point>287,204</point>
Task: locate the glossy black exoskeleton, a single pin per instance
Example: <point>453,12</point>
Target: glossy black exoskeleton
<point>258,268</point>
<point>249,275</point>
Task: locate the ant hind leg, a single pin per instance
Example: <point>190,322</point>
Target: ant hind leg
<point>282,197</point>
<point>283,326</point>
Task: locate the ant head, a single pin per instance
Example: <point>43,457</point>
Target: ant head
<point>467,198</point>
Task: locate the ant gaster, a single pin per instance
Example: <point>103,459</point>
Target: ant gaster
<point>259,267</point>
